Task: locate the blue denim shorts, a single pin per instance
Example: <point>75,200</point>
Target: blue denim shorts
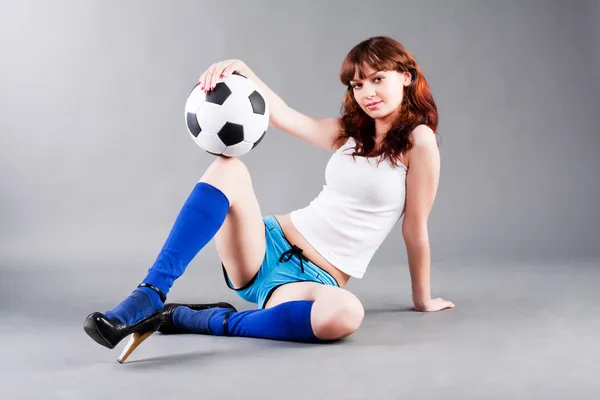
<point>283,263</point>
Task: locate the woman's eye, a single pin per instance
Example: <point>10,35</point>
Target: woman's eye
<point>379,77</point>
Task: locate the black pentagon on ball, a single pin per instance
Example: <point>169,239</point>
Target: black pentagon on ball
<point>219,94</point>
<point>231,133</point>
<point>258,103</point>
<point>192,124</point>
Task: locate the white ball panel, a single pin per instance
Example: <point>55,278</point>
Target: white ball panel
<point>254,127</point>
<point>195,100</point>
<point>210,142</point>
<point>211,117</point>
<point>237,109</point>
<point>240,86</point>
<point>238,149</point>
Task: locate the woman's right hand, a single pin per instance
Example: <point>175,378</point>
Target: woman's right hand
<point>220,70</point>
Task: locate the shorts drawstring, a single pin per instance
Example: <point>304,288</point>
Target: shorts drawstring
<point>287,255</point>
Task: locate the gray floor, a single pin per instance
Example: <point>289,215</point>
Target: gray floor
<point>520,331</point>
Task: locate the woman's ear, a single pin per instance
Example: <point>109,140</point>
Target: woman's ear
<point>407,78</point>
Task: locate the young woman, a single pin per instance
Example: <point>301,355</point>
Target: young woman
<point>294,266</point>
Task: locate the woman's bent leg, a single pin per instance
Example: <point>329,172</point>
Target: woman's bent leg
<point>240,242</point>
<point>217,201</point>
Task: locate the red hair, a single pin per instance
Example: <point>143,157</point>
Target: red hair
<point>418,107</point>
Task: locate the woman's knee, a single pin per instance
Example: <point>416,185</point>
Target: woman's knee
<point>225,166</point>
<point>336,318</point>
<point>228,174</point>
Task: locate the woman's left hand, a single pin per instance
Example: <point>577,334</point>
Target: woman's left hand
<point>433,305</point>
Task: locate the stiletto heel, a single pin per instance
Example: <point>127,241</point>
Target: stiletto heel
<point>136,339</point>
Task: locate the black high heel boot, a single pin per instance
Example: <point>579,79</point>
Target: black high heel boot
<point>109,333</point>
<point>168,328</point>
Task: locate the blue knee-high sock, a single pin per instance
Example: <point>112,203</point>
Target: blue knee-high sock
<point>287,321</point>
<point>199,220</point>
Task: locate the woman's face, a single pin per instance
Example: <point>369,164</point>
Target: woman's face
<point>380,93</point>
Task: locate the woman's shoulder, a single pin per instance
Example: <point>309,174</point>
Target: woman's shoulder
<point>421,135</point>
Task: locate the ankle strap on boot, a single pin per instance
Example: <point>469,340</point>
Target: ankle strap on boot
<point>226,323</point>
<point>163,298</point>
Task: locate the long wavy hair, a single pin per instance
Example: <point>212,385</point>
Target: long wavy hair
<point>418,107</point>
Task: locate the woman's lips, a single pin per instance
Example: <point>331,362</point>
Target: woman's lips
<point>373,106</point>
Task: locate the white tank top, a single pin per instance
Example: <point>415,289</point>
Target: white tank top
<point>356,210</point>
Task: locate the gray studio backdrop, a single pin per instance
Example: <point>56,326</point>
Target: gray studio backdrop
<point>95,160</point>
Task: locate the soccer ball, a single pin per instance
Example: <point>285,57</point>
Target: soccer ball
<point>230,120</point>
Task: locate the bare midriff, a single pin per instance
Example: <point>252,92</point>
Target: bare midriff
<point>295,238</point>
